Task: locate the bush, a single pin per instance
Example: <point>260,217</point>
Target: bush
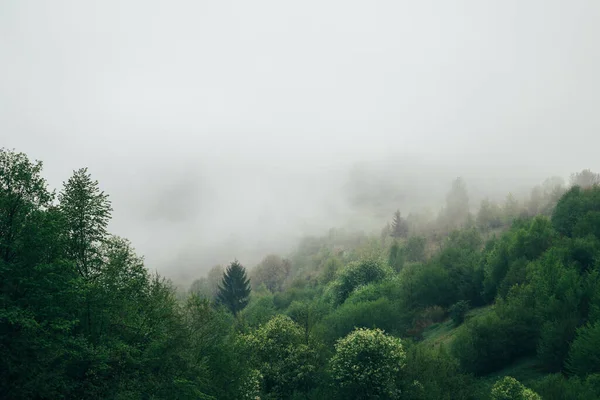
<point>491,342</point>
<point>508,388</point>
<point>426,285</point>
<point>277,350</point>
<point>367,364</point>
<point>380,313</point>
<point>437,374</point>
<point>355,275</point>
<point>458,311</point>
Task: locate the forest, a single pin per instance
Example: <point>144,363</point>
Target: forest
<point>496,301</point>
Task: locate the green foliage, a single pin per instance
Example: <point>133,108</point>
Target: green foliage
<point>307,314</point>
<point>396,256</point>
<point>286,362</point>
<point>505,263</point>
<point>355,275</point>
<point>367,364</point>
<point>553,344</point>
<point>415,249</point>
<point>380,313</point>
<point>458,311</point>
<point>461,259</point>
<point>260,309</point>
<point>272,272</point>
<point>234,290</point>
<point>508,388</point>
<point>432,374</point>
<point>584,355</point>
<point>208,287</point>
<point>330,268</point>
<point>86,212</point>
<point>489,215</point>
<point>81,316</point>
<point>426,285</point>
<point>559,387</point>
<point>23,191</point>
<point>493,340</point>
<point>574,208</point>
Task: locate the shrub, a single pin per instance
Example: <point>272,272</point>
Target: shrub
<point>380,313</point>
<point>437,374</point>
<point>278,351</point>
<point>489,342</point>
<point>357,274</point>
<point>367,364</point>
<point>508,388</point>
<point>458,311</point>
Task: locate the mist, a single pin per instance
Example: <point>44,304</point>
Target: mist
<point>231,129</point>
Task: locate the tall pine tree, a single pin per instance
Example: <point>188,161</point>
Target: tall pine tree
<point>234,290</point>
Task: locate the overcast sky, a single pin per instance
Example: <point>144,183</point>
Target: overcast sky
<point>219,122</point>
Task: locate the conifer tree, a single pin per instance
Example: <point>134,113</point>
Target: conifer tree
<point>399,226</point>
<point>234,290</point>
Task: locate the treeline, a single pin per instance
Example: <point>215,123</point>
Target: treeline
<point>463,310</point>
<point>520,297</point>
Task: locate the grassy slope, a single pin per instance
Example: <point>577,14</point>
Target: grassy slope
<point>525,370</point>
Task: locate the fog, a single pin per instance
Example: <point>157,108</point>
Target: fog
<point>226,129</point>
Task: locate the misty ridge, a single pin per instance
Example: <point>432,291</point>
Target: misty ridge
<point>366,200</point>
<point>281,207</point>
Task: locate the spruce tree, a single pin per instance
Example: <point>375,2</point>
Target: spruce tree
<point>234,290</point>
<point>399,226</point>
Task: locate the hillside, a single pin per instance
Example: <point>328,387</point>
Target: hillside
<point>501,304</point>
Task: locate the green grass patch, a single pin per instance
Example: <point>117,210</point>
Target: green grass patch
<point>444,332</point>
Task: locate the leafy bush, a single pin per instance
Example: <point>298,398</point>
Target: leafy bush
<point>367,364</point>
<point>357,274</point>
<point>508,388</point>
<point>381,313</point>
<point>458,311</point>
<point>426,285</point>
<point>437,373</point>
<point>279,352</point>
<point>492,341</point>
